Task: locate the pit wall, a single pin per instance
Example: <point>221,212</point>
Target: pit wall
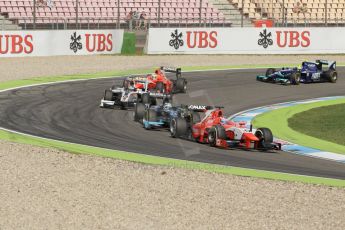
<point>60,42</point>
<point>246,40</point>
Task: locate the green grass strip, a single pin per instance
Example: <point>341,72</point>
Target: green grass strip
<point>147,159</point>
<point>326,123</point>
<point>154,160</point>
<point>277,121</point>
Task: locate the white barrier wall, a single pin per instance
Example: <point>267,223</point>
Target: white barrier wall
<point>60,42</point>
<point>245,40</point>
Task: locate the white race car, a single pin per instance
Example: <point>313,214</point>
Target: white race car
<point>133,89</point>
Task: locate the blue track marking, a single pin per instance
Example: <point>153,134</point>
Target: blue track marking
<point>248,115</point>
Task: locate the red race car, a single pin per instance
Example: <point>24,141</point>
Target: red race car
<point>159,82</point>
<point>218,131</point>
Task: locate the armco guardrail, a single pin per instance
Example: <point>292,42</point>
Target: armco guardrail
<point>245,40</point>
<point>60,42</point>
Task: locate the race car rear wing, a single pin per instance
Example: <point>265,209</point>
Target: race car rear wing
<point>330,64</point>
<point>178,71</point>
<point>202,108</point>
<point>139,78</point>
<point>160,95</point>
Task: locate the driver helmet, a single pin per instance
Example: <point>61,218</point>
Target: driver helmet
<point>217,113</point>
<point>153,76</point>
<point>167,105</point>
<point>158,71</point>
<point>223,120</point>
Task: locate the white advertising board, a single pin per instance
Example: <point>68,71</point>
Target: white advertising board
<point>60,42</point>
<point>245,40</point>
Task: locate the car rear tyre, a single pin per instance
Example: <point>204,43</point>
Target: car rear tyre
<point>145,98</point>
<point>178,127</point>
<point>265,137</point>
<point>139,112</point>
<point>215,133</point>
<point>181,85</point>
<point>125,84</point>
<point>295,78</point>
<point>150,115</point>
<point>108,95</point>
<point>160,87</point>
<point>123,106</point>
<point>332,76</point>
<point>270,71</point>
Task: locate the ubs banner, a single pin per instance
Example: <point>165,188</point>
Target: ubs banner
<point>60,42</point>
<point>245,40</point>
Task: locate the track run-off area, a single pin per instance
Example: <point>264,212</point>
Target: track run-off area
<point>70,112</point>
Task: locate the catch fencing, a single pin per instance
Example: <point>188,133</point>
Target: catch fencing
<point>164,13</point>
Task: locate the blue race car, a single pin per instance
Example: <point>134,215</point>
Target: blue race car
<point>318,71</point>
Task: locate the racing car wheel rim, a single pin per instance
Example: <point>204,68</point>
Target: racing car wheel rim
<point>211,137</point>
<point>259,134</point>
<point>334,76</point>
<point>173,128</point>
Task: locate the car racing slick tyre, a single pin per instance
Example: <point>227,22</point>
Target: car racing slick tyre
<point>178,127</point>
<point>123,106</point>
<point>216,132</point>
<point>139,112</point>
<point>181,85</point>
<point>295,78</point>
<point>125,84</point>
<point>332,76</point>
<point>265,137</point>
<point>145,98</point>
<point>160,87</point>
<point>108,95</point>
<point>151,116</point>
<point>270,71</point>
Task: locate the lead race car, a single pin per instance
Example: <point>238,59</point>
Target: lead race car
<point>137,88</point>
<point>160,81</point>
<point>218,131</point>
<point>309,72</point>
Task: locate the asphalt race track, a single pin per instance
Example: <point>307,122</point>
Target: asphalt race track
<point>70,112</point>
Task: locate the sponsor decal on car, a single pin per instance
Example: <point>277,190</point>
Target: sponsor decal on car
<point>197,107</point>
<point>157,95</point>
